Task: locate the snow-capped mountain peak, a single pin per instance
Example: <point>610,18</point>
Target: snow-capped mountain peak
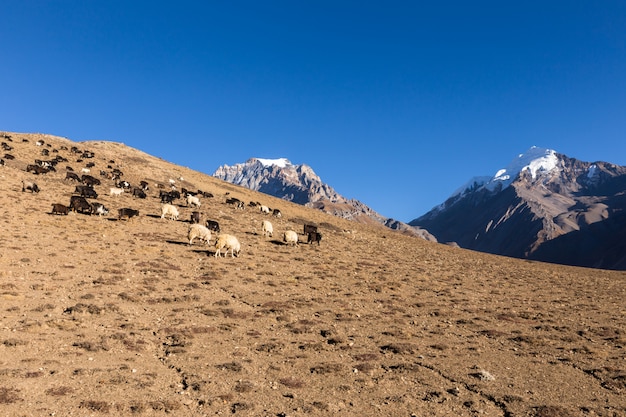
<point>280,162</point>
<point>536,160</point>
<point>539,206</point>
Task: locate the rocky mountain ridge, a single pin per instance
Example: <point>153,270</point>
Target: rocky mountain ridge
<point>543,206</point>
<point>300,184</point>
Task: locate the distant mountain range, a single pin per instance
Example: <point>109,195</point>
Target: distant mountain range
<point>543,206</point>
<point>299,184</point>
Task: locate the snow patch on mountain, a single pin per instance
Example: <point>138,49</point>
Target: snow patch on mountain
<point>280,162</point>
<point>535,161</point>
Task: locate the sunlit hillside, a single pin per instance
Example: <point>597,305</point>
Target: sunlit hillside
<point>102,316</point>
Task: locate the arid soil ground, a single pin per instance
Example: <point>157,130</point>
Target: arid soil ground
<point>100,316</point>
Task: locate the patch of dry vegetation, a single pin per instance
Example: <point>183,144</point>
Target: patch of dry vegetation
<point>108,317</point>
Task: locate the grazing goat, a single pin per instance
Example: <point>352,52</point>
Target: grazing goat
<point>277,213</point>
<point>72,176</point>
<point>86,191</point>
<point>116,191</point>
<point>236,202</point>
<point>290,237</point>
<point>60,209</point>
<point>267,229</point>
<point>79,204</point>
<point>138,192</point>
<point>89,180</point>
<point>170,211</point>
<point>228,242</point>
<point>200,232</point>
<point>213,225</point>
<point>36,169</point>
<point>28,185</point>
<point>314,237</point>
<point>126,213</point>
<point>123,184</point>
<point>99,209</point>
<point>168,197</point>
<point>309,228</point>
<point>264,209</point>
<point>193,201</point>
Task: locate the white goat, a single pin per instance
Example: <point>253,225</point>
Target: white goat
<point>290,237</point>
<point>169,210</point>
<point>264,209</point>
<point>200,232</point>
<point>192,200</point>
<point>116,191</point>
<point>267,229</point>
<point>229,242</point>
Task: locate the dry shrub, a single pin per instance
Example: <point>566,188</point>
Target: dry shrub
<point>93,405</point>
<point>136,407</point>
<point>276,306</point>
<point>230,366</point>
<point>320,405</point>
<point>83,308</point>
<point>9,395</point>
<point>607,333</point>
<point>365,367</point>
<point>229,313</point>
<point>403,367</point>
<point>90,346</point>
<point>240,407</point>
<point>59,391</point>
<point>292,382</point>
<point>209,312</point>
<point>225,397</point>
<point>14,342</point>
<point>509,317</point>
<point>270,347</point>
<point>201,329</point>
<point>244,386</point>
<point>491,333</point>
<point>400,348</point>
<point>137,346</point>
<point>300,327</point>
<point>439,346</point>
<point>166,406</point>
<point>43,308</point>
<point>327,368</point>
<point>128,297</point>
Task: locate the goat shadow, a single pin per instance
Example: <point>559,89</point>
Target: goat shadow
<point>278,242</point>
<point>177,242</point>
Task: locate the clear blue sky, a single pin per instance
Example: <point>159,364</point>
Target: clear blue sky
<point>393,103</point>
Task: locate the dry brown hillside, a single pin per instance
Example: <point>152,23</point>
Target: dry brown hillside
<point>106,317</point>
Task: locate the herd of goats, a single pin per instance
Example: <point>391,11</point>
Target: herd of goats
<point>85,190</point>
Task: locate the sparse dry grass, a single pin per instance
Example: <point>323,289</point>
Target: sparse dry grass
<point>109,317</point>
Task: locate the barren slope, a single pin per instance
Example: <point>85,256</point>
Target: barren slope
<point>107,317</point>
